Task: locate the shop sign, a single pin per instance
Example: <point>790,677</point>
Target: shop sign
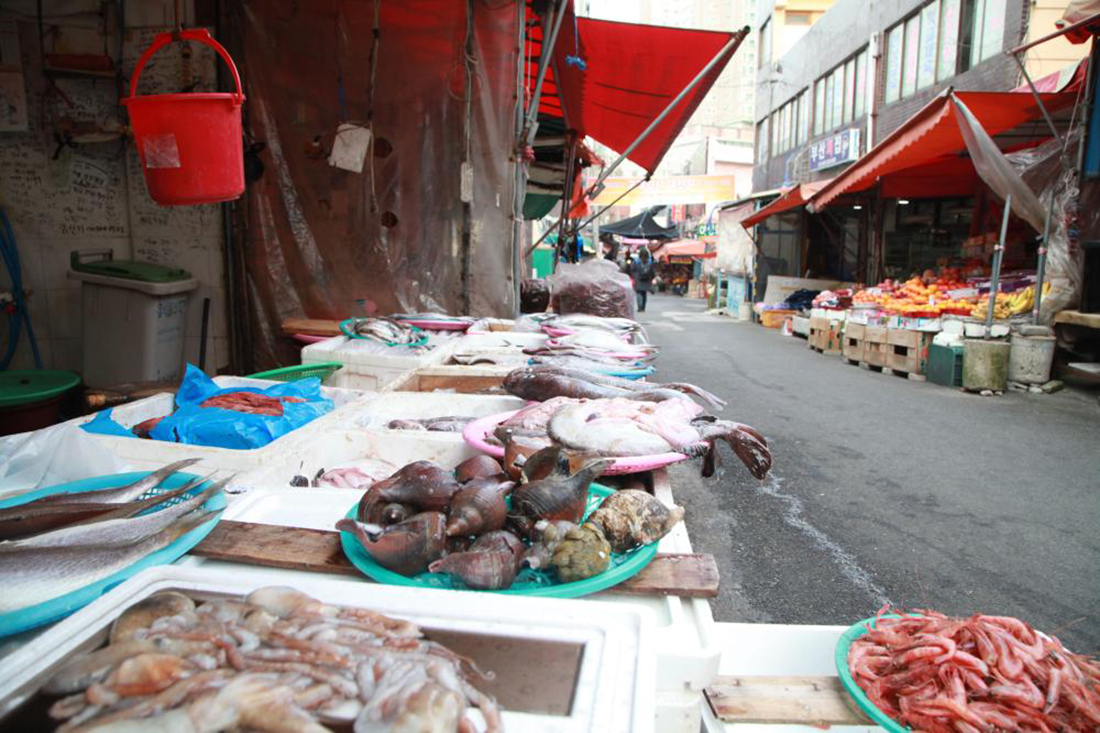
<point>843,147</point>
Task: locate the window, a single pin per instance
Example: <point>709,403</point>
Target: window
<point>942,39</point>
<point>861,84</point>
<point>765,43</point>
<point>762,140</point>
<point>819,107</point>
<point>837,118</point>
<point>799,17</point>
<point>849,90</point>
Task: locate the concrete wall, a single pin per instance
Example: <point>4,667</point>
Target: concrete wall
<point>851,25</point>
<point>93,195</point>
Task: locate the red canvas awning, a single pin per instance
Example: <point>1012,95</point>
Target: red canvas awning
<point>790,199</point>
<point>631,73</point>
<point>684,248</point>
<point>932,135</point>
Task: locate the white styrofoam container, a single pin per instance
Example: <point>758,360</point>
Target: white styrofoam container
<point>336,447</point>
<point>517,340</point>
<point>142,453</point>
<point>418,405</point>
<point>610,691</point>
<point>365,369</point>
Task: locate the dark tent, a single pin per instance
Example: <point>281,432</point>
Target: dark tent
<point>642,226</point>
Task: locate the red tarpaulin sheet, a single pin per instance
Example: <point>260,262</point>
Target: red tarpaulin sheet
<point>631,74</point>
<point>683,248</point>
<point>932,134</point>
<point>790,199</point>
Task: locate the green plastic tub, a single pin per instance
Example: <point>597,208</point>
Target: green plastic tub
<point>30,399</point>
<point>322,370</point>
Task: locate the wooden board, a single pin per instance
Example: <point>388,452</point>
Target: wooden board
<point>313,550</point>
<point>807,700</point>
<point>310,327</point>
<point>462,379</point>
<point>1077,318</point>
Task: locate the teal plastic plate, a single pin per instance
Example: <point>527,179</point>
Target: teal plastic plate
<point>528,582</point>
<point>849,682</point>
<point>58,608</point>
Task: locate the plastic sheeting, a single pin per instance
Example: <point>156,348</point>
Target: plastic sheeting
<point>595,287</point>
<point>315,246</point>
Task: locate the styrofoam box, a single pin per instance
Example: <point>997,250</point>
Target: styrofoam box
<point>141,453</point>
<point>335,448</point>
<point>364,369</point>
<point>685,646</point>
<point>614,672</point>
<point>499,340</point>
<point>418,405</point>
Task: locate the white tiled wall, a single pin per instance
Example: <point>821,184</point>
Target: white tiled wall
<point>94,197</point>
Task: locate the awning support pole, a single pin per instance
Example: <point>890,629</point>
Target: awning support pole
<point>589,220</point>
<point>1041,266</point>
<point>730,47</point>
<point>530,125</point>
<point>994,280</point>
<point>1038,100</point>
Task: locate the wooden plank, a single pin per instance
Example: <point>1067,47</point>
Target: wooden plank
<point>1077,318</point>
<point>806,700</point>
<point>310,327</point>
<point>319,551</point>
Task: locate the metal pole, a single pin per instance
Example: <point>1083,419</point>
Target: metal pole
<point>587,221</point>
<point>1038,100</point>
<point>530,126</point>
<point>1041,266</point>
<point>994,281</point>
<point>729,47</point>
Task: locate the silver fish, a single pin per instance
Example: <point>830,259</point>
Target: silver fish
<point>118,531</point>
<point>123,493</point>
<point>39,574</point>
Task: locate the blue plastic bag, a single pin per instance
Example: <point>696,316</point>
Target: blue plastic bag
<point>193,424</point>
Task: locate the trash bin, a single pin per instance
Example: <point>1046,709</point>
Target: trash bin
<point>31,398</point>
<point>134,319</point>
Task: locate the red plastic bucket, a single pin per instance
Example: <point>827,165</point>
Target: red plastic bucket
<point>190,144</point>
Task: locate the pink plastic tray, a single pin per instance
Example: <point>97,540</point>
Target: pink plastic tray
<point>430,325</point>
<point>306,338</point>
<point>475,435</point>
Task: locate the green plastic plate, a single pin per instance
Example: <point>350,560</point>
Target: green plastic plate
<point>528,582</point>
<point>321,370</point>
<point>849,682</point>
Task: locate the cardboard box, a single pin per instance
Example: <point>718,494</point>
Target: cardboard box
<point>874,334</point>
<point>854,330</point>
<point>874,353</point>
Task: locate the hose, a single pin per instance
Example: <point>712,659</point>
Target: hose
<point>20,316</point>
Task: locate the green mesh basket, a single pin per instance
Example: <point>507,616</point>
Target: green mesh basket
<point>322,370</point>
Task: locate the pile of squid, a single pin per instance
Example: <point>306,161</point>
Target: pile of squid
<point>940,674</point>
<point>427,519</point>
<point>588,413</point>
<point>278,661</point>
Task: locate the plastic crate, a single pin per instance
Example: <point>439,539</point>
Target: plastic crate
<point>945,365</point>
<point>322,371</point>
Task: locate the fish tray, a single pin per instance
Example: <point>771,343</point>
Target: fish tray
<point>364,369</point>
<point>49,611</point>
<point>337,448</point>
<point>477,433</point>
<point>145,453</point>
<point>559,666</point>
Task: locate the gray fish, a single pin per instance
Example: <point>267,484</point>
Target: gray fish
<point>123,493</point>
<point>39,574</point>
<point>118,531</point>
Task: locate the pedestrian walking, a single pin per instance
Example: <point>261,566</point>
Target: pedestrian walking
<point>642,272</point>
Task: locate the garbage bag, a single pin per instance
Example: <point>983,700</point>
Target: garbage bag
<point>596,287</point>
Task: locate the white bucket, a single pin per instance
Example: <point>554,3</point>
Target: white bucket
<point>744,312</point>
<point>1030,359</point>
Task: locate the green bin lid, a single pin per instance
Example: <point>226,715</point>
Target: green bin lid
<point>130,270</point>
<point>23,386</point>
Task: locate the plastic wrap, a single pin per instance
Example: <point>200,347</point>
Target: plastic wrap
<point>50,456</point>
<point>1052,175</point>
<point>323,242</point>
<point>195,423</point>
<point>596,287</point>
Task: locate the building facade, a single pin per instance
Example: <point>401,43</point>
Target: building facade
<point>864,68</point>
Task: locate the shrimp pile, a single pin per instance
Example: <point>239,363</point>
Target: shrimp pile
<point>279,661</point>
<point>974,675</point>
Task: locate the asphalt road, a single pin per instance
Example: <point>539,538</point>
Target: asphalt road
<point>885,489</point>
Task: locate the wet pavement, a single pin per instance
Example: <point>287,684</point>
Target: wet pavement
<point>885,489</point>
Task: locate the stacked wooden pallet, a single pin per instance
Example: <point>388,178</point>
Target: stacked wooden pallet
<point>890,350</point>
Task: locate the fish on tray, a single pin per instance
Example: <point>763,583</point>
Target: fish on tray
<point>389,331</point>
<point>278,660</point>
<point>443,424</point>
<point>541,383</point>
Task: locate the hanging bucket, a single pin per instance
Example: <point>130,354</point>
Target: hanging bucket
<point>190,144</point>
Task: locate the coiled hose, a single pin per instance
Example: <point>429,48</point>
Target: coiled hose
<point>19,315</point>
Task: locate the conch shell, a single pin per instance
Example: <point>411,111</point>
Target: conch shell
<point>478,507</point>
<point>405,548</point>
<point>490,564</point>
<point>630,517</point>
<point>421,484</point>
<point>481,466</point>
<point>555,497</point>
<point>582,554</point>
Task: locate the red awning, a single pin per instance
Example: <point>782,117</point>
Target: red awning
<point>684,248</point>
<point>791,198</point>
<point>932,135</point>
<point>631,73</point>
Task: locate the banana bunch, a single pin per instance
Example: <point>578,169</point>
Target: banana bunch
<point>1022,301</point>
<point>1000,308</point>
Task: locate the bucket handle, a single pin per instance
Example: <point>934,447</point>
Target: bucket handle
<point>194,34</point>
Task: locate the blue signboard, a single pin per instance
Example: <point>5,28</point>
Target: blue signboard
<point>843,147</point>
